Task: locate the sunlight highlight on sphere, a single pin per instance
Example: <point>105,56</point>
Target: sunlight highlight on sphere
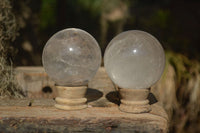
<point>134,60</point>
<point>71,57</point>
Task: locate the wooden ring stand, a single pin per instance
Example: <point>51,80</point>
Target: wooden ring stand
<point>71,98</point>
<point>134,100</point>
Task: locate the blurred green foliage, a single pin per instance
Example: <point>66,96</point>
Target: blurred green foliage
<point>48,13</point>
<point>94,6</point>
<point>160,18</point>
<point>175,24</point>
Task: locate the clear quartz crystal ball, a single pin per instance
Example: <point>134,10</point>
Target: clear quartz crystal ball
<point>71,57</point>
<point>134,60</point>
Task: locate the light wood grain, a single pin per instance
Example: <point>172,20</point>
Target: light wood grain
<point>38,114</point>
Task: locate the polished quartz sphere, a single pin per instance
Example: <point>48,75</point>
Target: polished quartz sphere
<point>71,57</point>
<point>134,60</point>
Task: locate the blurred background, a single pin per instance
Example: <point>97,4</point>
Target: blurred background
<point>26,25</point>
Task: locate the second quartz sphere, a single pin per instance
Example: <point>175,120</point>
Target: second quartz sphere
<point>71,57</point>
<point>134,60</point>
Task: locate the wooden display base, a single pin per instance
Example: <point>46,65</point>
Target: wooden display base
<point>36,112</point>
<point>134,101</point>
<point>71,98</point>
